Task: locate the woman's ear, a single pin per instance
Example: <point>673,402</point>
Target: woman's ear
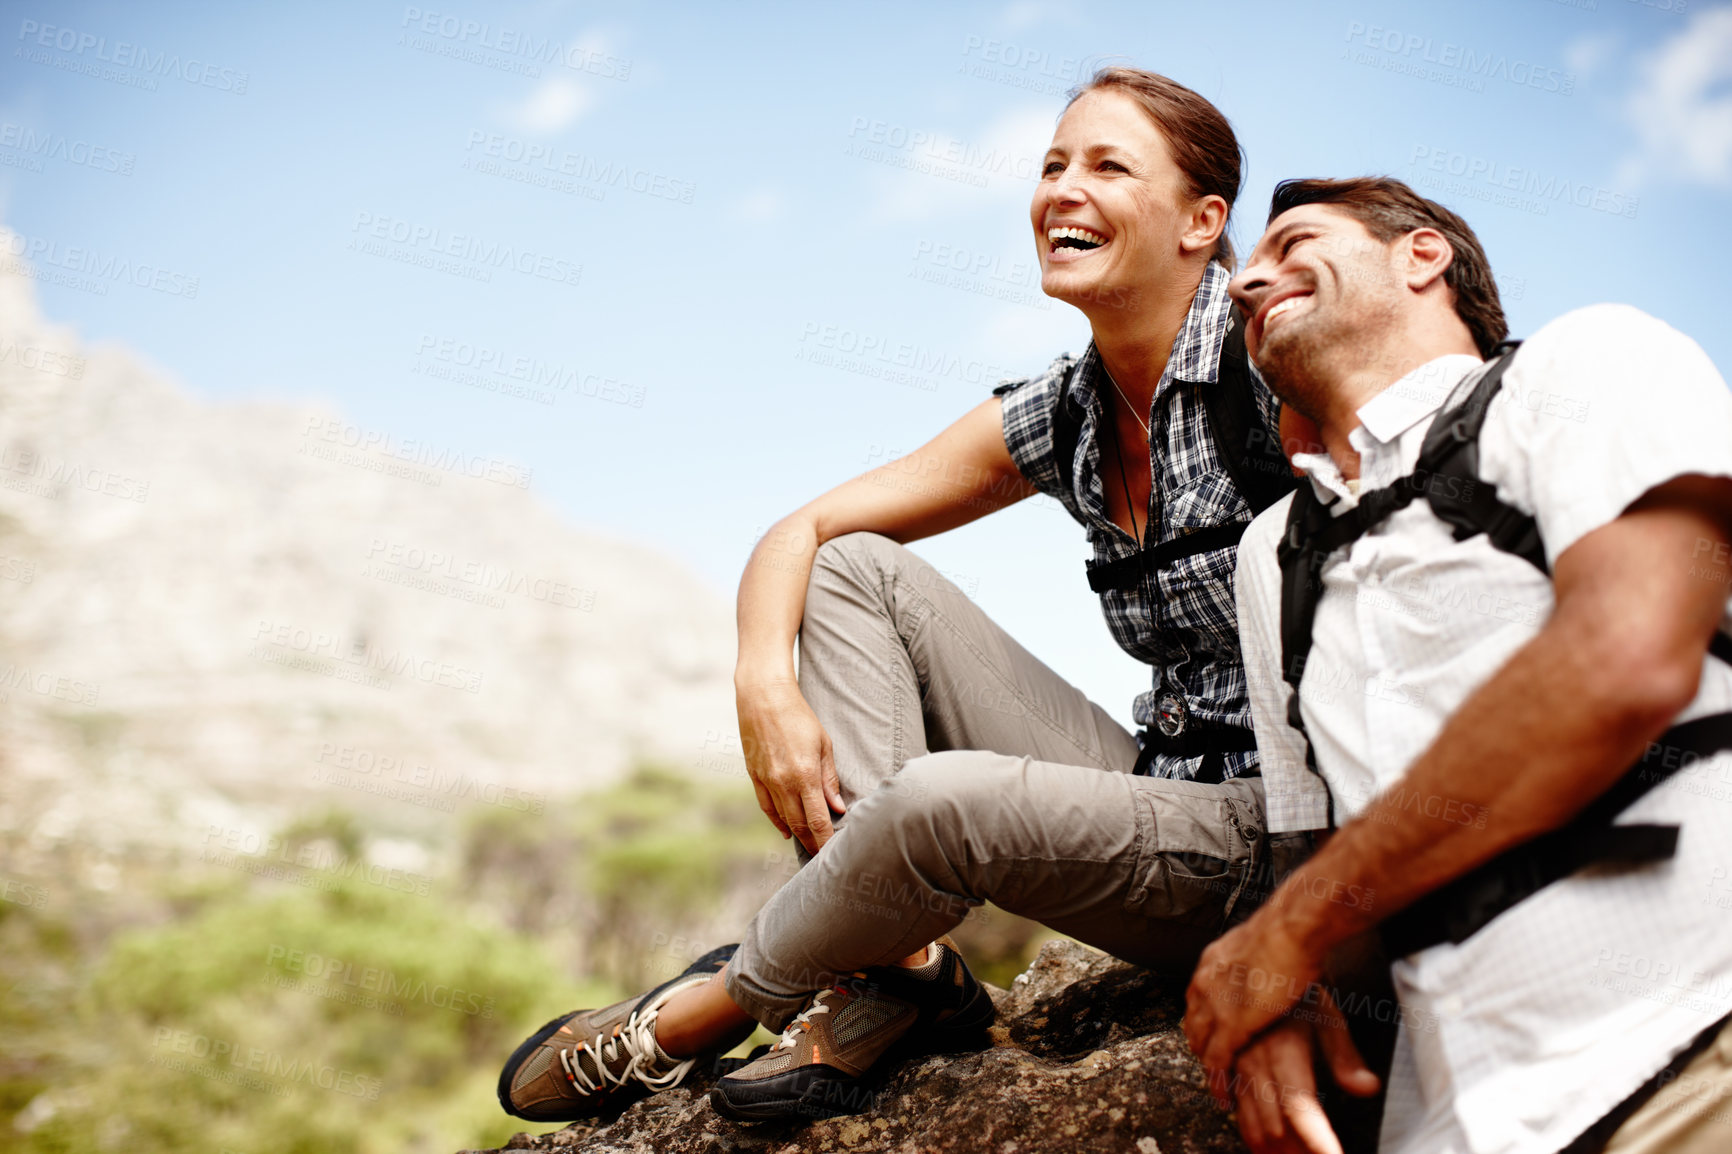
<point>1208,220</point>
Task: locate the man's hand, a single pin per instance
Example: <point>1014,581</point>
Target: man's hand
<point>790,760</point>
<point>1246,979</point>
<point>1276,1090</point>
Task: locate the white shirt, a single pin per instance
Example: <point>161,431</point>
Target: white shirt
<point>1521,1037</point>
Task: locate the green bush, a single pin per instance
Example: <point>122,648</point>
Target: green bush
<point>210,1009</point>
<point>341,1022</point>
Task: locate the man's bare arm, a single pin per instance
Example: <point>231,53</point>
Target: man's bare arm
<point>1619,658</point>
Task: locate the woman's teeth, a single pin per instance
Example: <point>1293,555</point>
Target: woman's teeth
<point>1073,237</point>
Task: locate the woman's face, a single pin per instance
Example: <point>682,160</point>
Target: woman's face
<point>1110,208</point>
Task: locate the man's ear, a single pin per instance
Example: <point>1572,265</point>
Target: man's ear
<point>1208,219</point>
<point>1429,255</point>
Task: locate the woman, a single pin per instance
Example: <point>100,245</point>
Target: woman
<point>1147,861</point>
<point>1130,227</point>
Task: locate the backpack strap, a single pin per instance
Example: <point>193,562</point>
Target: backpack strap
<point>1447,475</point>
<point>1250,451</point>
<point>1066,431</point>
<point>1454,912</point>
<point>1314,533</point>
<point>1127,572</point>
<point>1449,466</point>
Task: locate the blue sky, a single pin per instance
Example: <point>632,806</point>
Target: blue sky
<point>686,215</point>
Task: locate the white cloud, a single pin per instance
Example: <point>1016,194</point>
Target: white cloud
<point>1682,105</point>
<point>925,175</point>
<point>761,206</point>
<point>553,107</point>
<point>1585,54</point>
<point>1023,14</point>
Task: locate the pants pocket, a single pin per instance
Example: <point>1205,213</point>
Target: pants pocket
<point>1194,856</point>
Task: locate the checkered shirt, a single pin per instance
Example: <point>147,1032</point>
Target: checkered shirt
<point>1190,633</point>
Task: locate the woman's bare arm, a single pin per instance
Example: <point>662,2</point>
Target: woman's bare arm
<point>959,476</point>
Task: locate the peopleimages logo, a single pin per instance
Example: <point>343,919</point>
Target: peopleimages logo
<point>87,47</point>
<point>877,350</point>
<point>437,248</point>
<point>54,477</point>
<point>361,655</point>
<point>313,863</point>
<point>280,1071</point>
<point>1415,50</point>
<point>530,49</point>
<point>365,765</point>
<point>330,431</point>
<point>542,377</point>
<point>377,980</point>
<point>1542,187</point>
<point>54,146</point>
<point>562,162</point>
<point>935,154</point>
<point>102,268</point>
<point>481,576</point>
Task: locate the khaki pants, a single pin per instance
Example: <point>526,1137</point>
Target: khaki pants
<point>973,773</point>
<point>1691,1114</point>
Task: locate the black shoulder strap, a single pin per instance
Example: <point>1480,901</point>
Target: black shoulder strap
<point>1127,572</point>
<point>1301,554</point>
<point>1250,451</point>
<point>1449,464</point>
<point>1446,474</point>
<point>1066,430</point>
<point>1312,534</point>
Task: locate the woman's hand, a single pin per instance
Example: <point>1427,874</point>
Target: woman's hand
<point>962,474</point>
<point>790,761</point>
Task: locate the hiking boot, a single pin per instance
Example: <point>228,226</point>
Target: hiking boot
<point>820,1066</point>
<point>586,1062</point>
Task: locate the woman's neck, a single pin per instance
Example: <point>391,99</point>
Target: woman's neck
<point>1134,342</point>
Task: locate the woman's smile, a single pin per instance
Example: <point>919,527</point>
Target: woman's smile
<point>1067,243</point>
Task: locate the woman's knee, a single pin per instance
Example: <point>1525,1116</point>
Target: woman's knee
<point>932,807</point>
<point>858,554</point>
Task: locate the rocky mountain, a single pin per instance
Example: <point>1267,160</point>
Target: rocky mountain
<point>1086,1057</point>
<point>216,615</point>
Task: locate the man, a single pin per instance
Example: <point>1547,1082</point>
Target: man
<point>1468,689</point>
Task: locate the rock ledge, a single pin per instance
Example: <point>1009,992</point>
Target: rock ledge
<point>1086,1057</point>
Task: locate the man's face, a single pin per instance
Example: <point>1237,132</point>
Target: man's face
<point>1314,290</point>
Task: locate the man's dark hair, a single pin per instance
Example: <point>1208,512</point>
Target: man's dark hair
<point>1389,209</point>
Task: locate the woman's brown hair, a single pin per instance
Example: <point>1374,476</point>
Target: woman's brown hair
<point>1201,141</point>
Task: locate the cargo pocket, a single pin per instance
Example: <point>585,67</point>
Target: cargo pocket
<point>1194,855</point>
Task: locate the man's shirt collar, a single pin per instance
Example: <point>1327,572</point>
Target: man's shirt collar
<point>1412,399</point>
<point>1384,418</point>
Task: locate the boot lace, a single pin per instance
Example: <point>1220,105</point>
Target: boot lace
<point>803,1020</point>
<point>636,1042</point>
